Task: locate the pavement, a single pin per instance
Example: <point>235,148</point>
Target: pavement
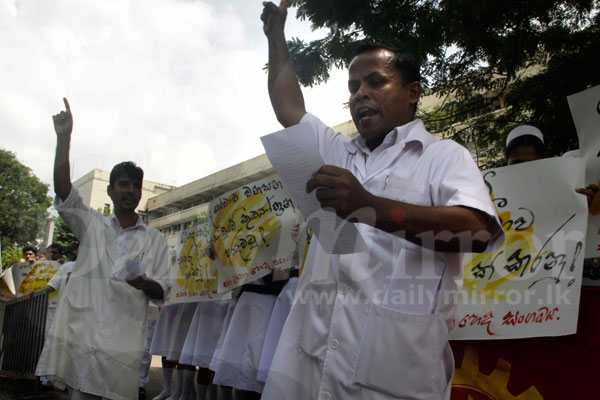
<point>25,389</point>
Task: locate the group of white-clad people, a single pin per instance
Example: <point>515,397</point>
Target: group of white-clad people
<point>232,342</point>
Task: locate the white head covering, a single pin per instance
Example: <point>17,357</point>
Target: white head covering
<point>522,131</point>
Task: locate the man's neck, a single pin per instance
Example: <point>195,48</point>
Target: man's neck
<point>126,219</point>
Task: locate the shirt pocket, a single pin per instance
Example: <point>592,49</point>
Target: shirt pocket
<point>318,301</point>
<point>410,345</point>
<point>407,189</point>
<point>78,320</point>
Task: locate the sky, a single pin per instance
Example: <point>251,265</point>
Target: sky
<point>176,86</point>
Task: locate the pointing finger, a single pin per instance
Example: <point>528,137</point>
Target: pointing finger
<point>68,108</point>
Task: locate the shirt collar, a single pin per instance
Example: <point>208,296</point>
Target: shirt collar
<point>114,222</point>
<point>412,132</point>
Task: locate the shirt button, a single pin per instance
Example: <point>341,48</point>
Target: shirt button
<point>343,289</point>
<point>334,344</point>
<point>101,325</point>
<point>326,396</point>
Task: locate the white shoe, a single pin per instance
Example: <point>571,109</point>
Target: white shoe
<point>162,396</point>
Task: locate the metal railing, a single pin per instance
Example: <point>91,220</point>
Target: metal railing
<point>23,324</point>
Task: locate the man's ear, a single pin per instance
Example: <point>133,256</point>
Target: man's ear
<point>414,92</point>
<point>109,191</point>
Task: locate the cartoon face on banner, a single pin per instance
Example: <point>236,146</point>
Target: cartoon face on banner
<point>251,231</point>
<point>529,286</point>
<point>243,227</point>
<point>195,270</point>
<point>196,274</point>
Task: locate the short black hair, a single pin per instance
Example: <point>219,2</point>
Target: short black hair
<point>525,140</point>
<point>406,63</point>
<point>56,246</point>
<point>128,169</point>
<point>30,248</point>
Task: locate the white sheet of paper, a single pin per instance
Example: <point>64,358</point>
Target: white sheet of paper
<point>585,109</point>
<point>293,153</point>
<point>130,269</point>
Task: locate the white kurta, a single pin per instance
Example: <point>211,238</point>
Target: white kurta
<point>95,344</point>
<point>204,333</point>
<point>281,310</point>
<point>216,358</point>
<point>179,330</point>
<point>161,340</point>
<point>374,324</point>
<point>58,282</point>
<point>242,345</point>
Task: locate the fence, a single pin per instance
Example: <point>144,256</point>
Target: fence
<point>22,323</point>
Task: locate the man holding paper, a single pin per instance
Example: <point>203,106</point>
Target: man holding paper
<point>95,344</point>
<point>374,324</point>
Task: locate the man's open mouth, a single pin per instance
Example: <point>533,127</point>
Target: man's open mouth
<point>363,113</point>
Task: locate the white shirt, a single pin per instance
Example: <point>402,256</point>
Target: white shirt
<point>96,342</point>
<point>60,279</point>
<point>374,324</point>
<point>126,238</point>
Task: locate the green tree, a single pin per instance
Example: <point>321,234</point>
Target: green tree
<point>521,56</point>
<point>23,202</point>
<point>10,255</point>
<point>66,238</point>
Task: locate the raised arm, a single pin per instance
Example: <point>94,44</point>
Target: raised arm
<point>284,90</point>
<point>63,126</point>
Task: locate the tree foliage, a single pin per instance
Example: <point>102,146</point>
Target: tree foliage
<point>10,255</point>
<point>66,238</point>
<point>23,202</point>
<point>521,56</point>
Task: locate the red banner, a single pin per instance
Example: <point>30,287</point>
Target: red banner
<point>563,367</point>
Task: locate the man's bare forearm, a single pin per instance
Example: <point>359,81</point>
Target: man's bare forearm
<point>62,170</point>
<point>441,228</point>
<point>284,91</point>
<point>63,126</point>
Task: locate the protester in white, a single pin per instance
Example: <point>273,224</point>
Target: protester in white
<point>200,344</point>
<point>56,284</point>
<point>179,332</point>
<point>169,337</point>
<point>146,356</point>
<point>160,347</point>
<point>237,362</point>
<point>283,304</point>
<point>95,344</point>
<point>281,310</point>
<point>353,331</point>
<point>226,391</point>
<point>524,143</point>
